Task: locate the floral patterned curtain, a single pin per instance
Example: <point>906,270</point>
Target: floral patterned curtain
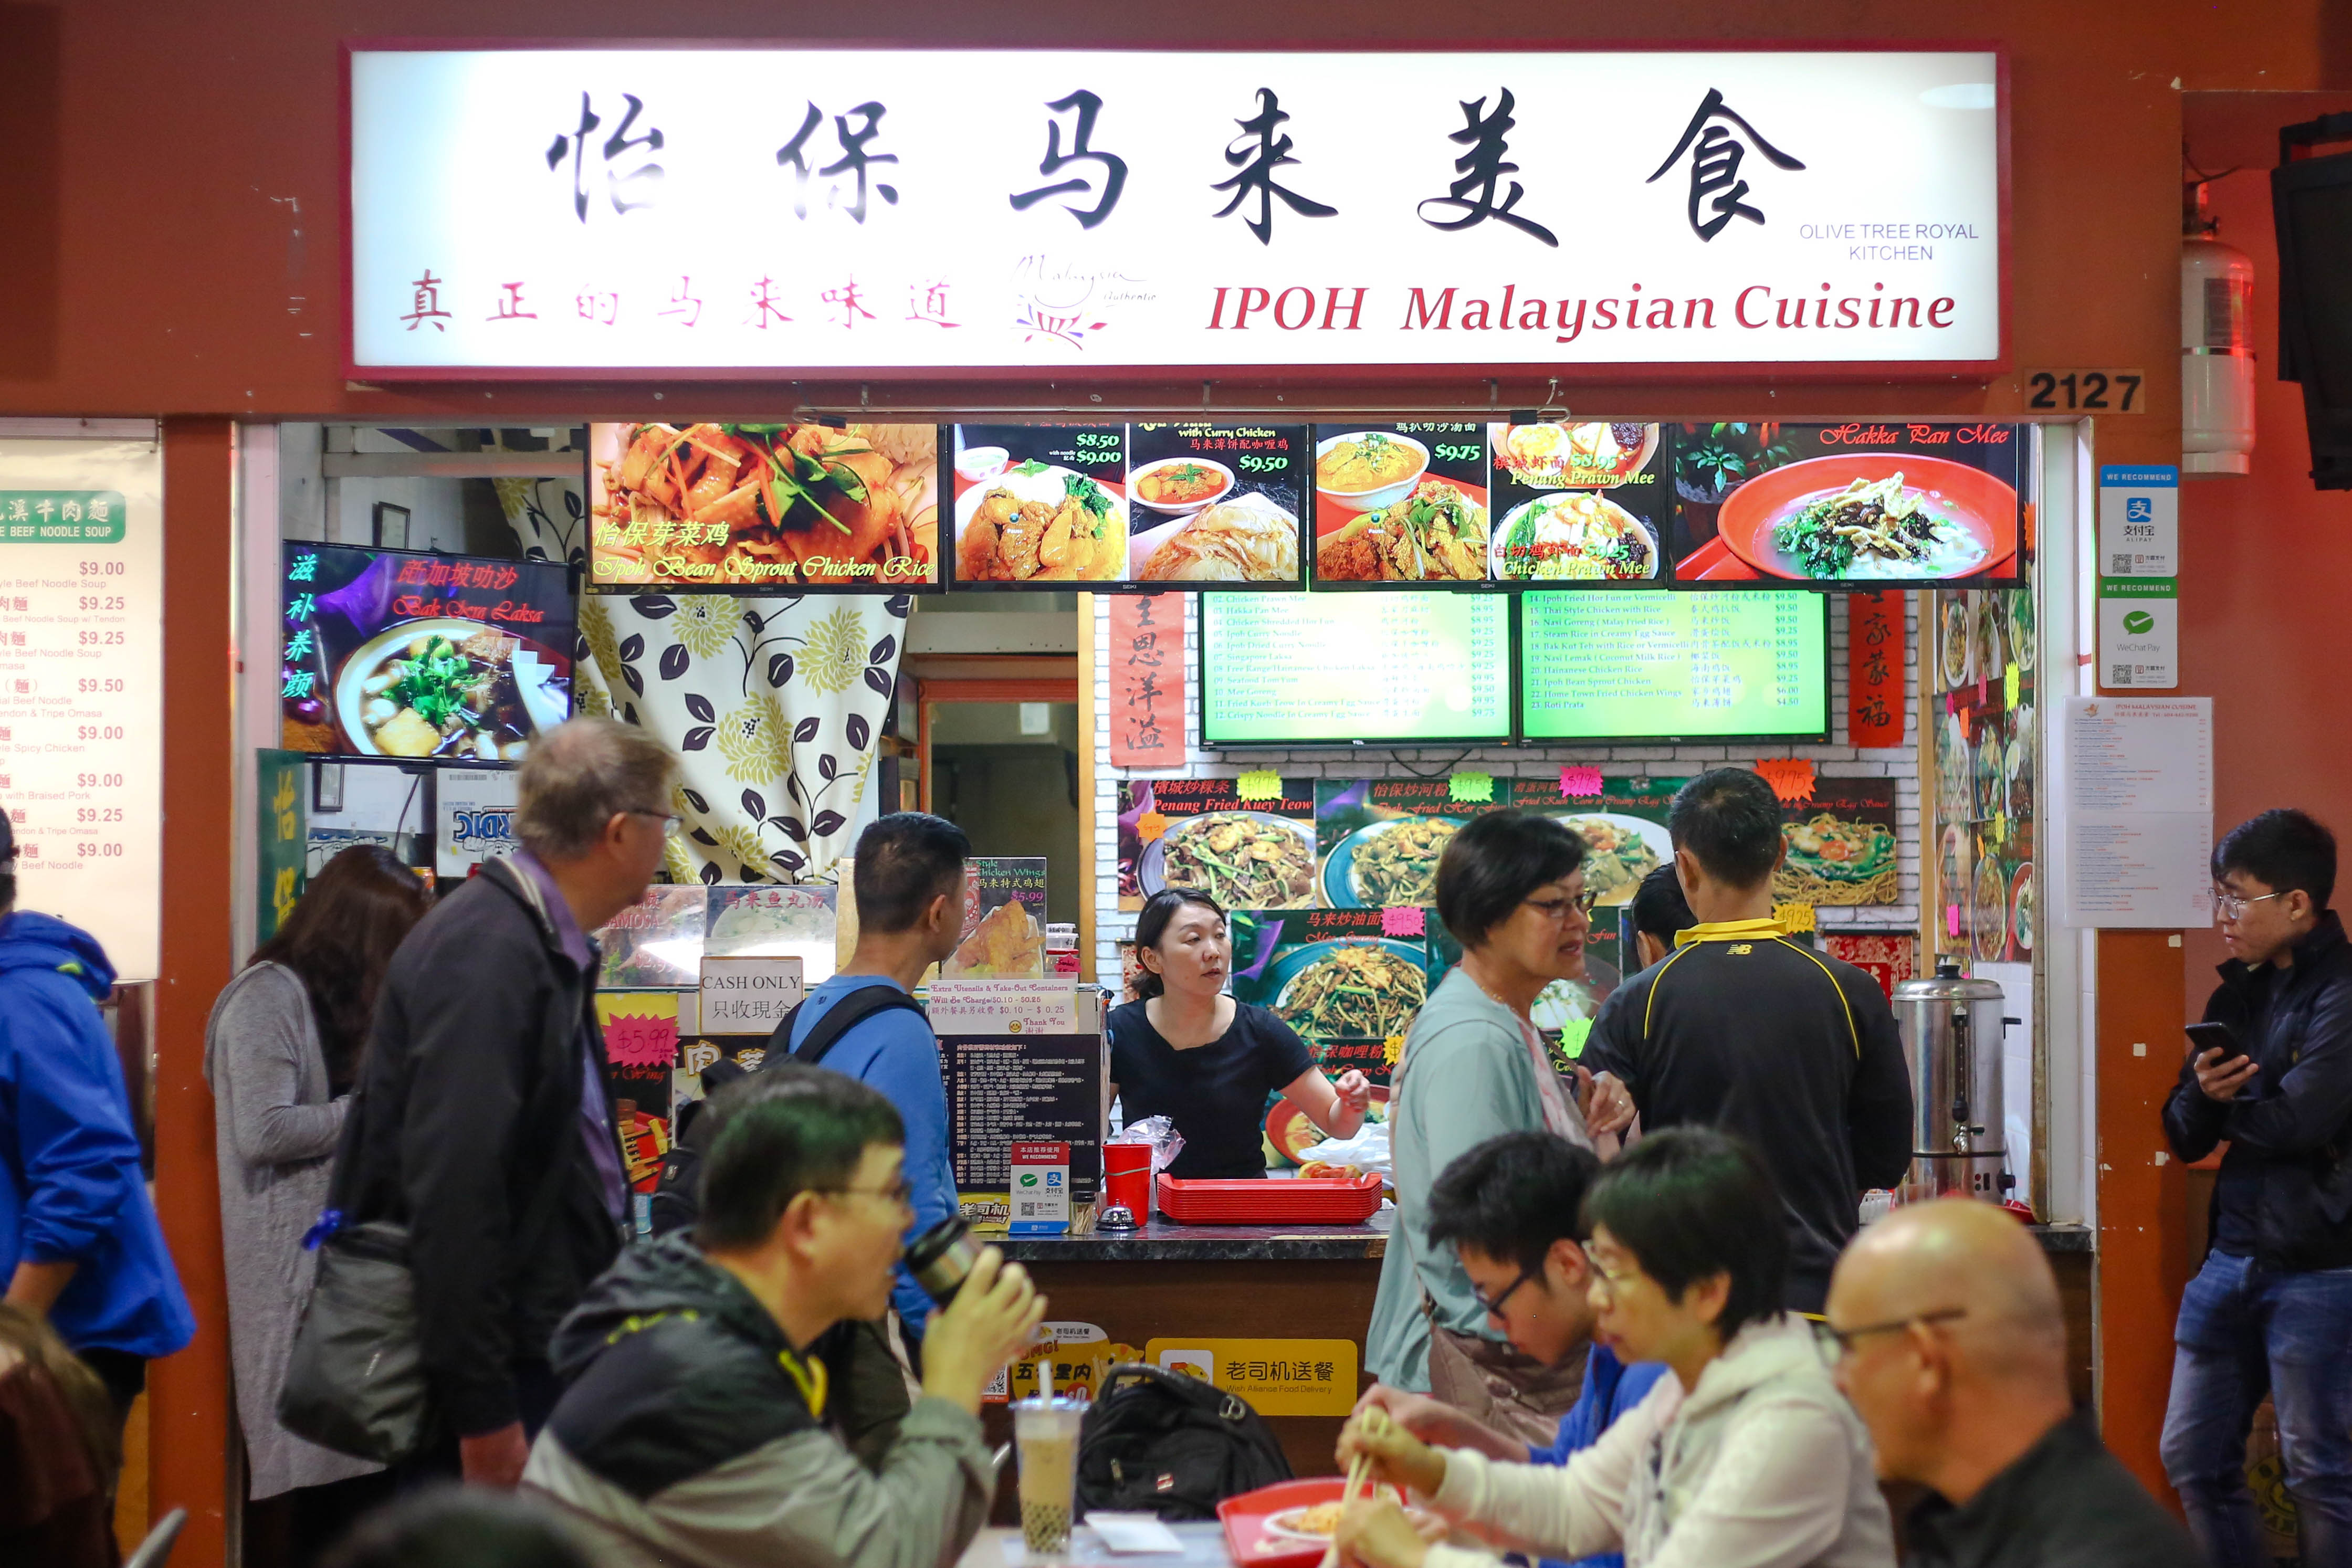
<point>772,703</point>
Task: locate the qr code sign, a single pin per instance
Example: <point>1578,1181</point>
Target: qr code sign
<point>2119,566</point>
<point>2120,675</point>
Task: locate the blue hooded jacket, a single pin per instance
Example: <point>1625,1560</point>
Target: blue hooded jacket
<point>70,1187</point>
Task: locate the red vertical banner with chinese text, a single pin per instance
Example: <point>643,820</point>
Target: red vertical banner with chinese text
<point>1874,696</point>
<point>1147,680</point>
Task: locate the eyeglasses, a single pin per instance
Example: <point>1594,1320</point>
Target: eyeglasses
<point>900,1192</point>
<point>1843,1338</point>
<point>670,821</point>
<point>2229,905</point>
<point>1616,1280</point>
<point>1494,1309</point>
<point>1555,909</point>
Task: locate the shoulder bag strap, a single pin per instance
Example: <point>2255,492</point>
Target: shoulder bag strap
<point>844,1016</point>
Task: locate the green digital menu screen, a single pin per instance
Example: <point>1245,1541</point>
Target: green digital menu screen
<point>1673,666</point>
<point>1314,669</point>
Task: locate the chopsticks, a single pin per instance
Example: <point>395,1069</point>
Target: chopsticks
<point>1375,1420</point>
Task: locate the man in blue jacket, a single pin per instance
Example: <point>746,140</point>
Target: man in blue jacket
<point>79,1239</point>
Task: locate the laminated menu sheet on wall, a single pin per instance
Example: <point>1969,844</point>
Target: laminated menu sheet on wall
<point>2136,797</point>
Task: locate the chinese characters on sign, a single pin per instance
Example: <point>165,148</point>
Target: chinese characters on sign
<point>1876,681</point>
<point>1147,680</point>
<point>1128,195</point>
<point>1714,164</point>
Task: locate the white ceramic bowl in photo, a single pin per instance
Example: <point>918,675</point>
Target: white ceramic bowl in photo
<point>978,463</point>
<point>1370,500</point>
<point>1135,485</point>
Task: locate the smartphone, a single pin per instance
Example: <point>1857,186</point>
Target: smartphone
<point>2205,1037</point>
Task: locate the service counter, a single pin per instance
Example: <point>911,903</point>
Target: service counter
<point>1313,1281</point>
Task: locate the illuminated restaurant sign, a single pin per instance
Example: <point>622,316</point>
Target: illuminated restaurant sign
<point>675,210</point>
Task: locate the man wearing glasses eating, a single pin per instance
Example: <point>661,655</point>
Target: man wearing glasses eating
<point>2270,1309</point>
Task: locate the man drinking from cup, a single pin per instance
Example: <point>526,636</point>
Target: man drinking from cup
<point>692,1429</point>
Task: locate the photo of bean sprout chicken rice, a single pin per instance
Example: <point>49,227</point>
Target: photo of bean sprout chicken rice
<point>781,505</point>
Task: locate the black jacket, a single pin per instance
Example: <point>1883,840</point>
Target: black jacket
<point>2288,1141</point>
<point>2065,1502</point>
<point>1749,1032</point>
<point>472,1103</point>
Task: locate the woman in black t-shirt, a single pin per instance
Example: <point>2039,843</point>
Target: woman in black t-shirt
<point>1191,1053</point>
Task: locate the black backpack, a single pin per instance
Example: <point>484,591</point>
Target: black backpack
<point>677,1195</point>
<point>1171,1445</point>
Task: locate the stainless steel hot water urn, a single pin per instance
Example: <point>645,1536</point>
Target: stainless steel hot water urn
<point>1952,1034</point>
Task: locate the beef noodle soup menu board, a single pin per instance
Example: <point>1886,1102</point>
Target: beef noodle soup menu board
<point>1673,666</point>
<point>1328,669</point>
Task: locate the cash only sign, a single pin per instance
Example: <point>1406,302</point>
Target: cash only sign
<point>660,210</point>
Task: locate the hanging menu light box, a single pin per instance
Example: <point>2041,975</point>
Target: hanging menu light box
<point>81,686</point>
<point>1867,504</point>
<point>1053,505</point>
<point>1673,666</point>
<point>665,210</point>
<point>1320,669</point>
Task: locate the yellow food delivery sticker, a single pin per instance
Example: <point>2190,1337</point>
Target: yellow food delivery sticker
<point>1278,1376</point>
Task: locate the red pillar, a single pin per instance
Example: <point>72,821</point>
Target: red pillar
<point>188,1394</point>
<point>2143,1240</point>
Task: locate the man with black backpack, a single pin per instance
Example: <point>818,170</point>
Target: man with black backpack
<point>908,881</point>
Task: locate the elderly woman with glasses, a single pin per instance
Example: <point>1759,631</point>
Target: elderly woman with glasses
<point>1743,1454</point>
<point>1510,889</point>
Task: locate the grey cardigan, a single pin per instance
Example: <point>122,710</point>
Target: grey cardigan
<point>1466,1076</point>
<point>274,1132</point>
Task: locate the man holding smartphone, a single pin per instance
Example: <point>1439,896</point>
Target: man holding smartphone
<point>2271,1311</point>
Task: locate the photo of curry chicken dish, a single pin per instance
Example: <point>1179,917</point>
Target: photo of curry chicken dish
<point>732,505</point>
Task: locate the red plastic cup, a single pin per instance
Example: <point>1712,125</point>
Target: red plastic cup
<point>1126,1178</point>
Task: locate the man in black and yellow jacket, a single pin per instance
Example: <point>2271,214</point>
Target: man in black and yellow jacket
<point>696,1428</point>
<point>1741,1029</point>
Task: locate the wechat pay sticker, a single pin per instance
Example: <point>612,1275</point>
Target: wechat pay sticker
<point>1028,1178</point>
<point>2139,642</point>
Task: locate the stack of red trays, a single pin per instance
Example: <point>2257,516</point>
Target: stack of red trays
<point>1318,1200</point>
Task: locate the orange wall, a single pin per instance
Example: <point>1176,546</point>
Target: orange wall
<point>2265,559</point>
<point>172,248</point>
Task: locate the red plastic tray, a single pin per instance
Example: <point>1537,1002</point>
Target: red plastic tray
<point>1322,1200</point>
<point>1245,1516</point>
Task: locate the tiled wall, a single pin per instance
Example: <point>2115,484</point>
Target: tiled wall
<point>1834,761</point>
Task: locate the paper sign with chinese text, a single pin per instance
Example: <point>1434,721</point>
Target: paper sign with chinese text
<point>1147,680</point>
<point>81,686</point>
<point>1876,689</point>
<point>748,996</point>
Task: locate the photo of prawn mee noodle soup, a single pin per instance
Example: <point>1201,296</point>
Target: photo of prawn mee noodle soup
<point>779,505</point>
